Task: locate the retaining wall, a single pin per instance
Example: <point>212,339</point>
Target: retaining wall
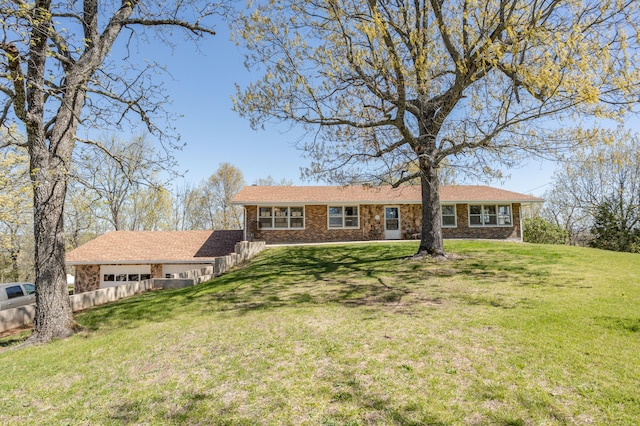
<point>243,251</point>
<point>23,315</point>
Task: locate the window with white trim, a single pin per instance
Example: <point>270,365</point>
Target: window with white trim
<point>280,217</point>
<point>113,275</point>
<point>490,215</point>
<point>448,212</point>
<point>343,217</point>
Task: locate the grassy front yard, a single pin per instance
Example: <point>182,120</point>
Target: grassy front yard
<point>355,334</point>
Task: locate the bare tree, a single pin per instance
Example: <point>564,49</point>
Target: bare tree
<point>393,88</point>
<point>605,170</point>
<point>208,206</point>
<point>270,181</point>
<point>181,207</point>
<point>58,79</point>
<point>81,224</point>
<point>118,173</point>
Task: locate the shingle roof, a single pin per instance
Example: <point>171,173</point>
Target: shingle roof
<point>127,247</point>
<point>253,195</point>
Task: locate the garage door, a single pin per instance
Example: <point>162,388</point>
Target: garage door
<point>112,275</point>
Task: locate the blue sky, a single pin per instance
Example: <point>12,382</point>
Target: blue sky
<point>201,88</point>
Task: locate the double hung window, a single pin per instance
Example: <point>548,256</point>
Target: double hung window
<point>448,215</point>
<point>280,217</point>
<point>343,217</point>
<point>490,215</point>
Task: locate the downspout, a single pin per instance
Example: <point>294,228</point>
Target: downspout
<point>244,231</point>
<point>521,229</point>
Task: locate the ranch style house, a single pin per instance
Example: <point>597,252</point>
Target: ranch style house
<point>312,214</point>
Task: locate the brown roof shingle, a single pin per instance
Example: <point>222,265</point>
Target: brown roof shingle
<point>155,247</point>
<point>373,195</point>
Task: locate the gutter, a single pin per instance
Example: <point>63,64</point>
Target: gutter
<point>204,261</point>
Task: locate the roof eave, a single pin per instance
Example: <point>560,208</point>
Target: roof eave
<point>203,260</point>
<point>378,202</point>
<point>490,201</point>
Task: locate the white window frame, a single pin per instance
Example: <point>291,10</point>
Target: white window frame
<point>120,274</point>
<point>276,216</point>
<point>455,215</point>
<point>343,216</point>
<point>485,216</point>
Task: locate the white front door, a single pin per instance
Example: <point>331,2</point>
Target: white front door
<point>392,223</point>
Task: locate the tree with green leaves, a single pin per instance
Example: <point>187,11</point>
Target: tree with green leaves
<point>392,89</point>
<point>599,182</point>
<point>616,228</point>
<point>16,208</point>
<point>60,74</point>
<point>150,209</point>
<point>80,223</point>
<point>209,204</point>
<point>221,187</point>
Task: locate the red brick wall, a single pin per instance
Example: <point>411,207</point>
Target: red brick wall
<point>317,230</point>
<point>316,227</point>
<point>489,232</point>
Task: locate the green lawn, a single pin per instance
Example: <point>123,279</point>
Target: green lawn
<point>507,334</point>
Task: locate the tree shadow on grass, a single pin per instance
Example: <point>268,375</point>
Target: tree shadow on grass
<point>374,408</point>
<point>344,275</point>
<point>180,408</point>
<point>14,337</point>
<point>350,275</point>
<point>348,399</point>
<point>277,278</point>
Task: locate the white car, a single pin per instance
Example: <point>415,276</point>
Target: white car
<point>13,295</point>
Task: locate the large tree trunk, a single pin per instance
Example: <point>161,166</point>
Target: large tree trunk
<point>431,242</point>
<point>54,318</point>
<point>50,159</point>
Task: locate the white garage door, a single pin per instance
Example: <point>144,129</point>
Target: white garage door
<point>112,275</point>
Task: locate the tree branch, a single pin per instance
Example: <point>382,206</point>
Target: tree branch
<point>19,95</point>
<point>194,28</point>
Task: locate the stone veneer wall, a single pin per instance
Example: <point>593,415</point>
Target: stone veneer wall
<point>156,270</point>
<point>316,226</point>
<point>87,278</point>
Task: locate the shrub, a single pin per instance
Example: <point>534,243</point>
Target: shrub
<point>612,230</point>
<point>539,230</point>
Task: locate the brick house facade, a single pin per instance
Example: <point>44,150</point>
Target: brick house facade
<point>300,215</point>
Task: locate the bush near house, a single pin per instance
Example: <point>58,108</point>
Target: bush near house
<point>354,334</point>
<point>541,231</point>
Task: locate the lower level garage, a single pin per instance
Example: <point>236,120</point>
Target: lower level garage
<point>122,257</point>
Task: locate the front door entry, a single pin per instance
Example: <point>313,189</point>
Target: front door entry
<point>392,223</point>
